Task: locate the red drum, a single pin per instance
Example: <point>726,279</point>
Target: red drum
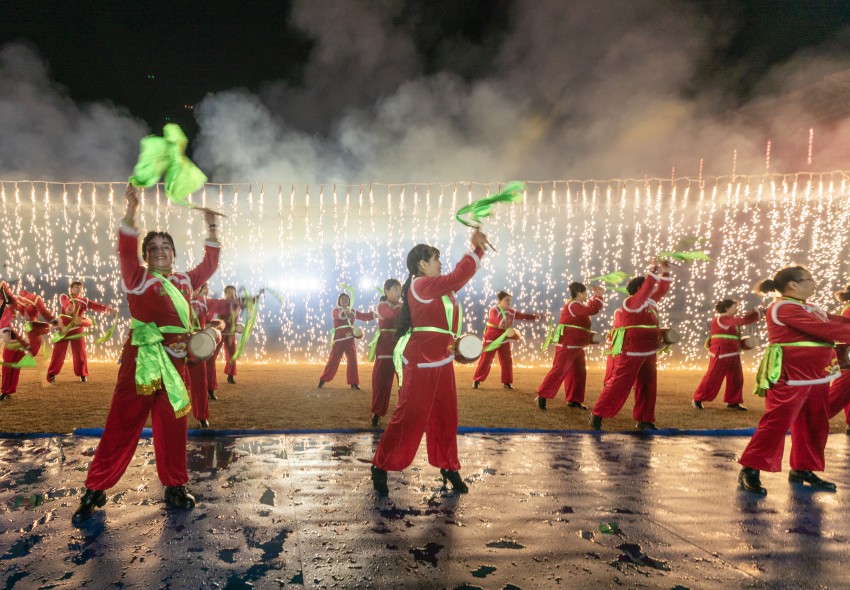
<point>669,335</point>
<point>217,324</point>
<point>468,348</point>
<point>215,333</point>
<point>512,334</point>
<point>357,332</point>
<point>843,352</point>
<point>200,346</point>
<point>37,328</point>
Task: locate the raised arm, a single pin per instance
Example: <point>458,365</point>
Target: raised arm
<point>727,322</point>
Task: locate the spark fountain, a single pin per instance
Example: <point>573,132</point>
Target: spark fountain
<point>302,241</point>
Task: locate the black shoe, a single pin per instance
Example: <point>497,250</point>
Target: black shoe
<point>578,405</point>
<point>457,483</point>
<point>379,481</point>
<point>51,378</point>
<point>507,386</point>
<point>797,476</point>
<point>749,480</point>
<point>355,387</point>
<point>475,384</point>
<point>375,420</point>
<point>595,422</point>
<point>847,430</point>
<point>321,384</point>
<point>231,380</point>
<point>5,396</point>
<point>82,378</point>
<point>541,403</point>
<point>205,423</point>
<point>646,426</point>
<point>91,499</point>
<point>696,405</point>
<point>179,497</point>
<point>211,394</point>
<point>737,407</point>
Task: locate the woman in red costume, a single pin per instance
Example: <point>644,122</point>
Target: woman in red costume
<point>427,399</point>
<point>725,351</point>
<point>152,377</point>
<point>383,373</point>
<point>343,342</point>
<point>795,374</point>
<point>839,391</point>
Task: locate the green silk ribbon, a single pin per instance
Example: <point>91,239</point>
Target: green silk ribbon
<point>27,362</point>
<point>483,208</point>
<point>770,368</point>
<point>612,278</point>
<point>253,310</point>
<point>619,338</point>
<point>109,331</point>
<point>685,256</point>
<point>165,156</point>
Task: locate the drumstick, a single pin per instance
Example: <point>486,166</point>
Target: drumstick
<point>486,241</point>
<point>207,210</point>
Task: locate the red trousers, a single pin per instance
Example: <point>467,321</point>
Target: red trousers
<point>229,345</point>
<point>78,353</point>
<point>804,409</point>
<point>728,368</point>
<point>383,374</point>
<point>346,347</point>
<point>505,361</point>
<point>427,404</point>
<point>627,372</point>
<point>839,396</point>
<point>198,389</point>
<point>569,368</point>
<point>11,376</point>
<point>127,416</point>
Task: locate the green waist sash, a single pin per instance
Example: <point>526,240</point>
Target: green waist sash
<point>620,335</point>
<point>725,337</point>
<point>554,334</point>
<point>770,368</point>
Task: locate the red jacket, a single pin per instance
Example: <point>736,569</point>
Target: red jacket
<point>225,311</point>
<point>388,315</point>
<point>576,313</point>
<point>146,297</point>
<point>724,325</point>
<point>76,307</point>
<point>31,306</point>
<point>640,310</point>
<point>343,325</point>
<point>434,349</point>
<point>499,320</point>
<point>792,320</point>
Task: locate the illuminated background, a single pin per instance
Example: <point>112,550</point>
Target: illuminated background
<point>302,241</point>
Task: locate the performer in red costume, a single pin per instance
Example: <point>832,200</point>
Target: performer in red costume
<point>725,351</point>
<point>839,391</point>
<point>152,378</point>
<point>73,321</point>
<point>198,370</point>
<point>634,350</point>
<point>499,319</point>
<point>427,399</point>
<point>32,309</point>
<point>343,342</point>
<point>570,338</point>
<point>383,373</point>
<point>795,373</point>
<point>228,311</point>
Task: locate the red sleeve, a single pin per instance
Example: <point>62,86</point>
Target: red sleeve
<point>42,309</point>
<point>206,269</point>
<point>132,272</point>
<point>364,316</point>
<point>431,287</point>
<point>336,313</point>
<point>524,316</point>
<point>6,318</point>
<point>664,283</point>
<point>95,306</point>
<point>743,320</point>
<point>64,303</point>
<point>637,301</point>
<point>494,317</point>
<point>836,329</point>
<point>592,307</point>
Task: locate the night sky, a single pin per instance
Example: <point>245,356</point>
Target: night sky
<point>158,60</point>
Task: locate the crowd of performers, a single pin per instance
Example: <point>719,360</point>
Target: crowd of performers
<point>419,335</point>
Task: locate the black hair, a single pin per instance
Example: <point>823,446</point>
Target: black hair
<point>634,285</point>
<point>502,294</point>
<point>419,253</point>
<point>781,279</point>
<point>156,234</point>
<point>389,284</point>
<point>75,283</point>
<point>723,305</point>
<point>843,296</point>
<point>576,288</point>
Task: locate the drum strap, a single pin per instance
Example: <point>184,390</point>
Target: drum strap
<point>770,368</point>
<point>620,335</point>
<point>398,351</point>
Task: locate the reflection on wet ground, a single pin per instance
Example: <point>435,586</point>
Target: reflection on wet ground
<point>543,510</point>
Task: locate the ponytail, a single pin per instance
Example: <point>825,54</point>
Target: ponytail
<point>843,296</point>
<point>723,305</point>
<point>404,318</point>
<point>414,257</point>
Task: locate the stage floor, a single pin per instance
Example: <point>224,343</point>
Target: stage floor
<point>544,511</point>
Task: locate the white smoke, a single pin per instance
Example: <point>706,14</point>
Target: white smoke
<point>47,136</point>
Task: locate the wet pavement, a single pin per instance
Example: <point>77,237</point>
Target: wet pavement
<point>544,511</point>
